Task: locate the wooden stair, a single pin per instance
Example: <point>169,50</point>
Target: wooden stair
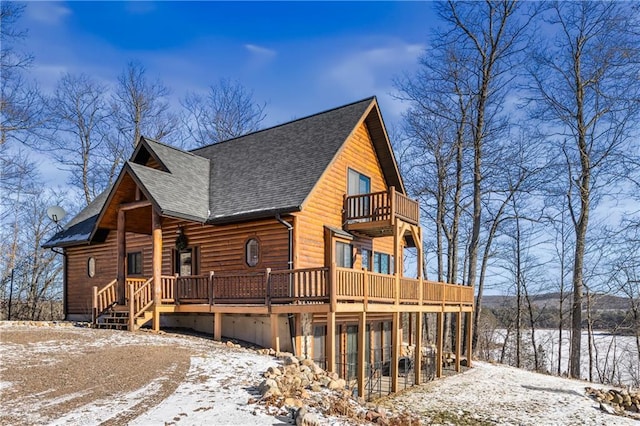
<point>117,318</point>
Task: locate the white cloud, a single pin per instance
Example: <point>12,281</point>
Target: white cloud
<point>371,71</point>
<point>47,13</point>
<point>260,51</point>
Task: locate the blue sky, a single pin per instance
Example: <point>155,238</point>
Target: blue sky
<point>299,57</point>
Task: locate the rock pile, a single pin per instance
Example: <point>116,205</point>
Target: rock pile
<point>306,391</point>
<point>619,402</point>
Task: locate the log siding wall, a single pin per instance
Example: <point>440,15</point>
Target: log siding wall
<point>324,205</point>
<point>220,248</point>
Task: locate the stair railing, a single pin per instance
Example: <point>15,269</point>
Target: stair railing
<point>103,299</point>
<point>141,299</point>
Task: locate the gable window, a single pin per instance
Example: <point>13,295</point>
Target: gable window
<point>344,255</point>
<point>252,252</point>
<point>134,263</point>
<point>382,263</point>
<point>358,183</point>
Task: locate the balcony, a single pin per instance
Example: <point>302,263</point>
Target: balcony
<point>375,214</point>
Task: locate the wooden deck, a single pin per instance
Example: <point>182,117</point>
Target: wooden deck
<point>335,288</point>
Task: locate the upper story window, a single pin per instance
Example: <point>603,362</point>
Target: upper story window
<point>344,255</point>
<point>134,263</point>
<point>252,252</point>
<point>358,183</point>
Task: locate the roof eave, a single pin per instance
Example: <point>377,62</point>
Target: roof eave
<point>261,214</point>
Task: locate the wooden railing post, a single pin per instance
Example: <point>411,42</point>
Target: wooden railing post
<point>365,290</point>
<point>94,310</point>
<point>267,295</point>
<point>132,312</point>
<point>176,300</point>
<point>345,208</point>
<point>392,203</point>
<point>333,283</point>
<point>210,289</point>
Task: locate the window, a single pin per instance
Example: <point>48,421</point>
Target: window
<point>91,267</point>
<point>344,257</point>
<point>252,252</point>
<point>184,262</point>
<point>134,263</point>
<point>381,263</point>
<point>365,254</point>
<point>358,183</point>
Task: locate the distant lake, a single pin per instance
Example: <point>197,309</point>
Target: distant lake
<point>615,358</point>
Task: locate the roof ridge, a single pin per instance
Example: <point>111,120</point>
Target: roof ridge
<point>370,98</point>
<point>171,146</point>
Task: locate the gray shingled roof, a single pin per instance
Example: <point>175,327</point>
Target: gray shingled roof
<point>181,192</point>
<point>275,169</point>
<point>256,175</point>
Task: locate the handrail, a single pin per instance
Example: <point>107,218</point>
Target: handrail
<point>103,299</point>
<point>141,299</point>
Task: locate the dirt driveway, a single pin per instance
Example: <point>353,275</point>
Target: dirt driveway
<point>72,375</point>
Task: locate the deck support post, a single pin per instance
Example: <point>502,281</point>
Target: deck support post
<point>275,337</point>
<point>330,342</point>
<point>439,343</point>
<point>469,316</point>
<point>217,326</point>
<point>458,338</point>
<point>417,362</point>
<point>122,257</point>
<point>396,340</point>
<point>397,258</point>
<point>156,231</point>
<point>362,333</point>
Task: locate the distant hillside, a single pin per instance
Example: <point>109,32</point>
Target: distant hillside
<point>552,300</point>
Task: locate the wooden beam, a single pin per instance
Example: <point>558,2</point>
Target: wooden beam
<point>275,336</point>
<point>439,343</point>
<point>330,342</point>
<point>396,340</point>
<point>362,333</point>
<point>458,339</point>
<point>298,334</point>
<point>156,230</point>
<point>217,326</point>
<point>122,256</point>
<point>134,205</point>
<point>417,363</point>
<point>469,316</point>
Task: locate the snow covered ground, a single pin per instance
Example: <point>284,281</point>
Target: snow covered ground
<point>217,382</point>
<point>498,394</point>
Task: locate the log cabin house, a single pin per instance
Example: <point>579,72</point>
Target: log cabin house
<point>290,237</point>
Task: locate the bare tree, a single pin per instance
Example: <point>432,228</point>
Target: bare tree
<point>79,114</point>
<point>20,101</point>
<point>141,106</point>
<point>228,110</point>
<point>585,91</point>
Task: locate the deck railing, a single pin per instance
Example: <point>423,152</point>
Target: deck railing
<point>381,206</point>
<point>296,286</point>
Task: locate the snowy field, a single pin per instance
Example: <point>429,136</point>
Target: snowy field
<point>77,376</point>
<point>615,358</point>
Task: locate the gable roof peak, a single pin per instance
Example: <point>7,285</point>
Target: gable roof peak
<point>266,129</point>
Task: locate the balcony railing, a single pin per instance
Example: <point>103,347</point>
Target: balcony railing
<point>380,209</point>
<point>307,286</point>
